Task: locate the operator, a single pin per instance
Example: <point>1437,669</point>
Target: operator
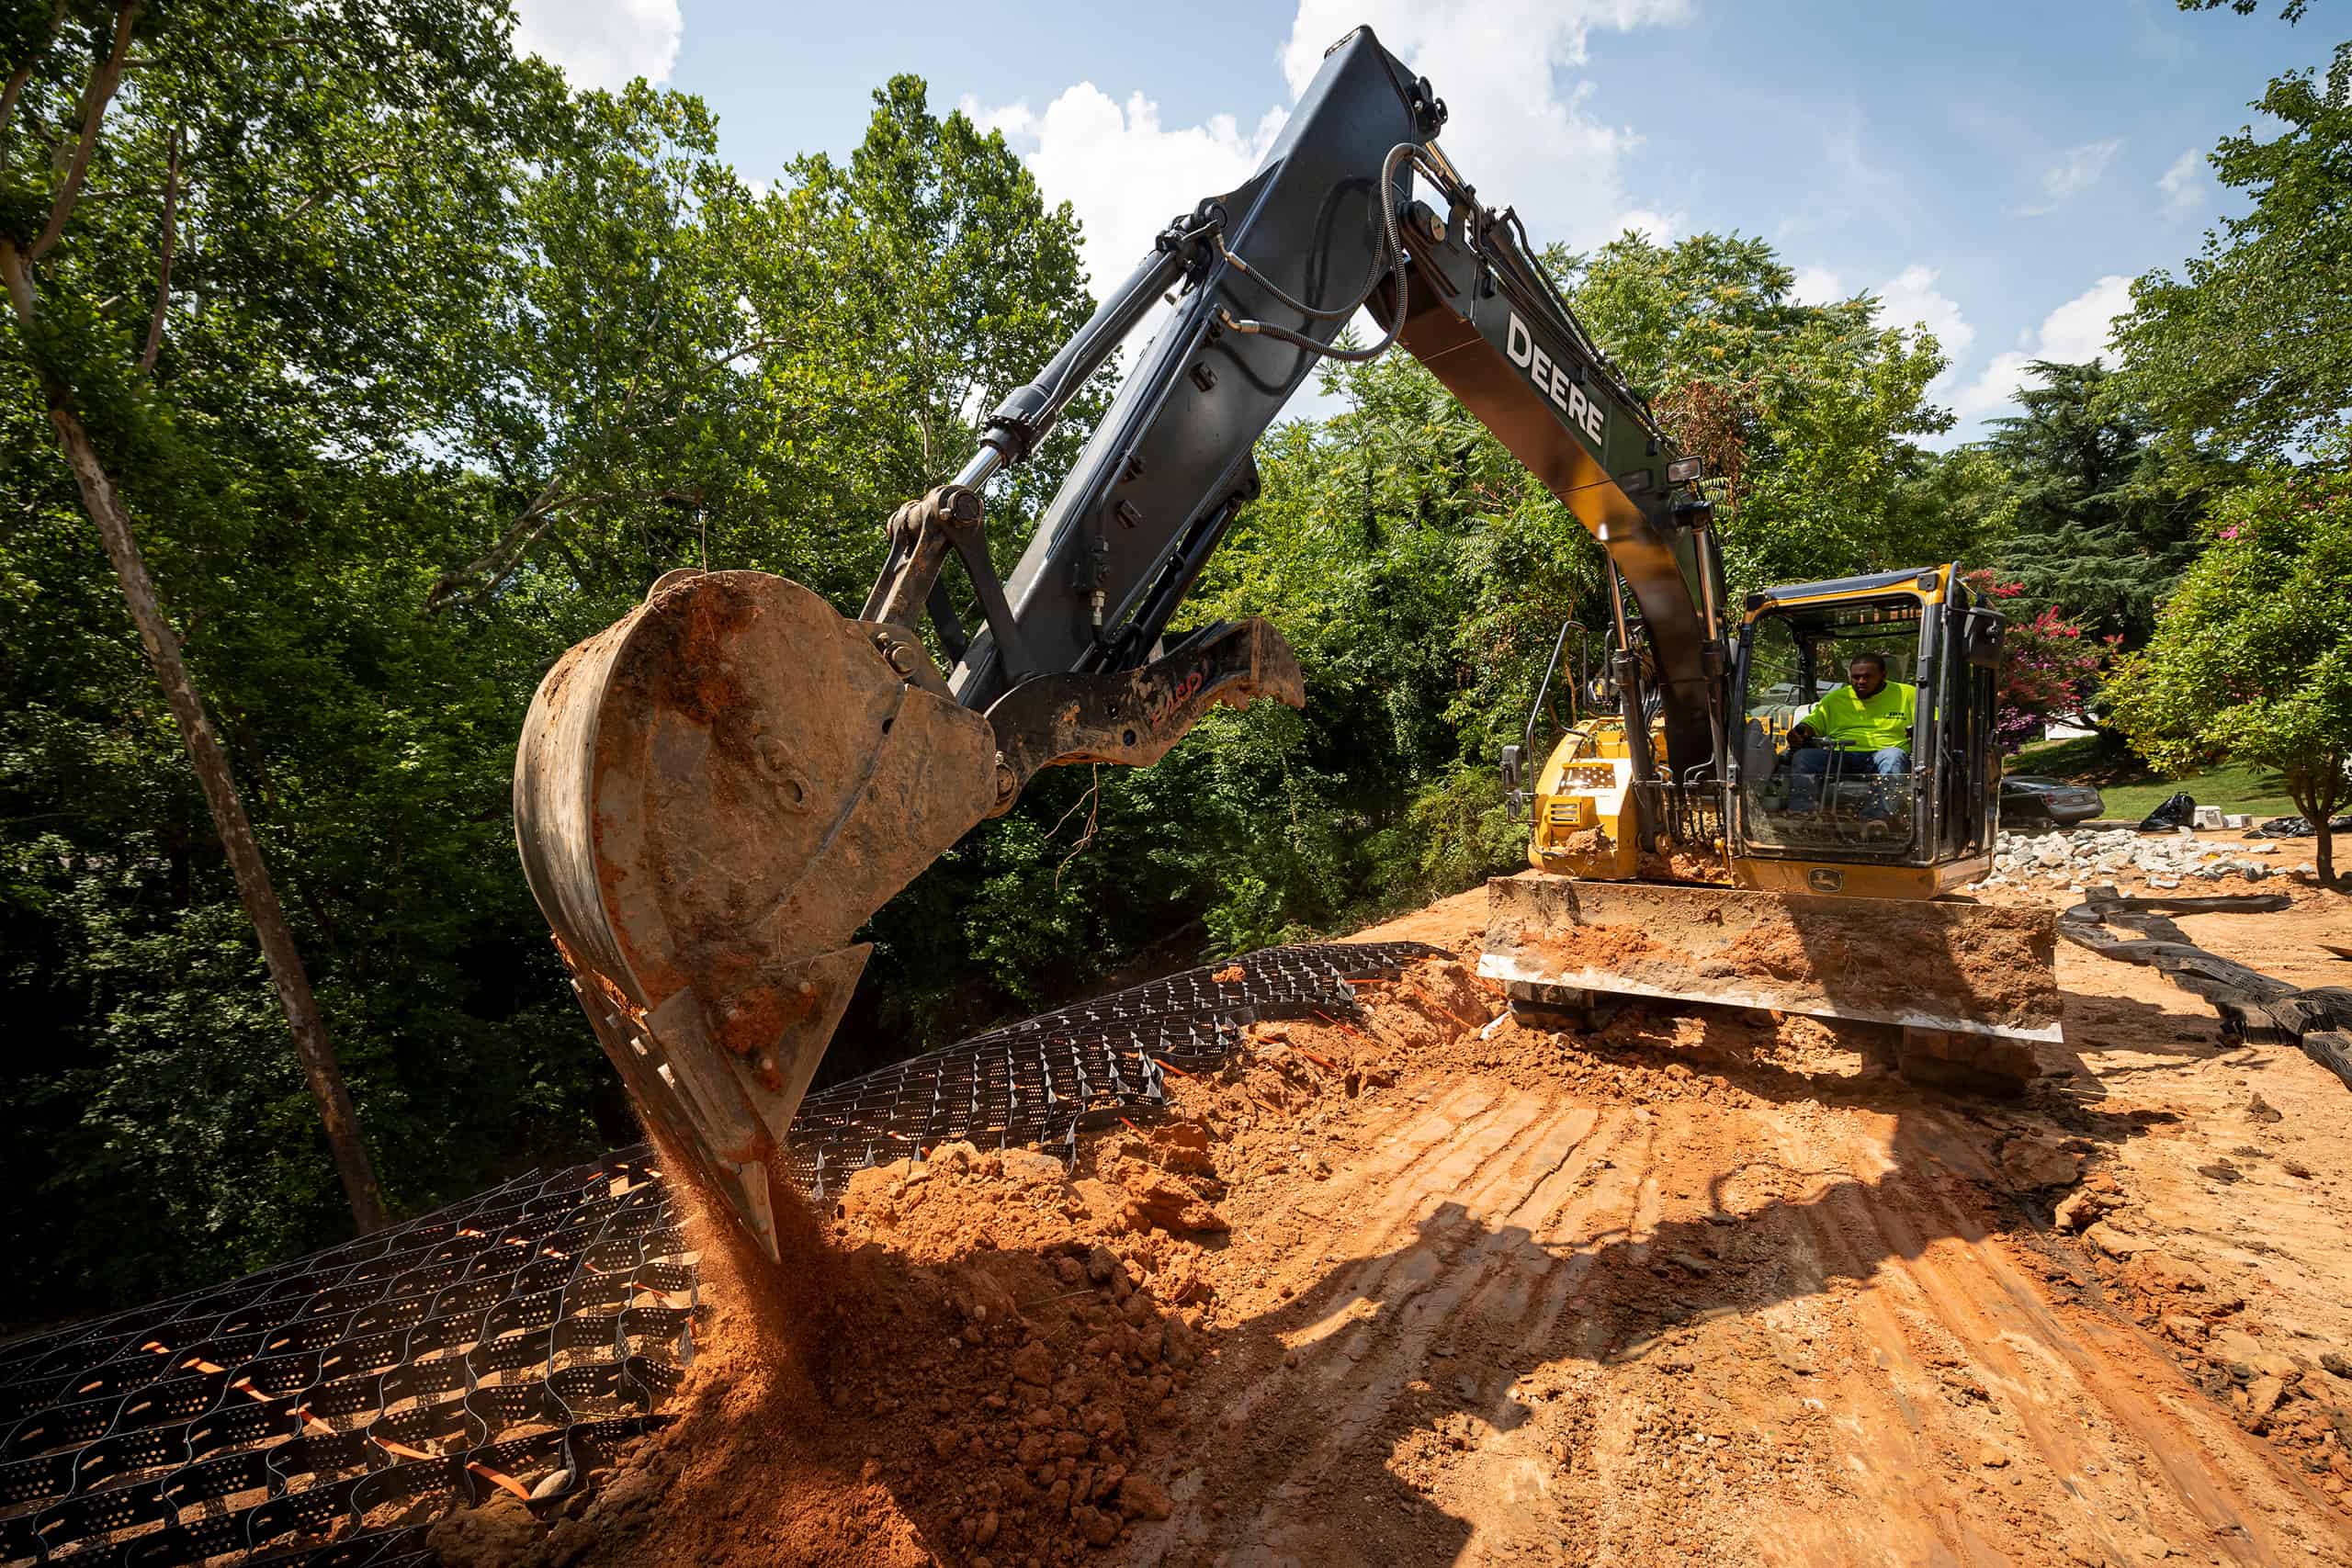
<point>1868,719</point>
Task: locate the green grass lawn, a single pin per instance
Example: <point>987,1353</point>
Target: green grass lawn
<point>2130,789</point>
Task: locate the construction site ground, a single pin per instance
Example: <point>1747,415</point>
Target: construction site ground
<point>1705,1287</point>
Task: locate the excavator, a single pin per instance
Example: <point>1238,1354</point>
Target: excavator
<point>714,794</point>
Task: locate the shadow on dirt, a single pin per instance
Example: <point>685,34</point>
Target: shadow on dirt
<point>1362,1399</point>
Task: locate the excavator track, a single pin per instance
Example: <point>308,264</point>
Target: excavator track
<point>1972,988</point>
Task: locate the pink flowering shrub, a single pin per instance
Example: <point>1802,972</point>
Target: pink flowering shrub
<point>2049,672</point>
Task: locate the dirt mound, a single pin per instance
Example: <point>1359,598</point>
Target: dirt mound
<point>976,1364</point>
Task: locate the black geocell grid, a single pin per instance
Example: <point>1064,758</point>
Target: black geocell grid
<point>353,1396</point>
<point>1039,1080</point>
<point>525,1331</point>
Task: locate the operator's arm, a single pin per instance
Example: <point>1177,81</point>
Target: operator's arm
<point>1806,732</point>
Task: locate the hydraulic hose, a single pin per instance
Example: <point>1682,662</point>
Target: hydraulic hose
<point>1391,259</point>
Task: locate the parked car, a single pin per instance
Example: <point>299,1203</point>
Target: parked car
<point>2031,802</point>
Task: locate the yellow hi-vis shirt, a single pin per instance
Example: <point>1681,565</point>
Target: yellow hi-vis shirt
<point>1866,725</point>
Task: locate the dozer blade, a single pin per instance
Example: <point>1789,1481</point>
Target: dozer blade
<point>711,796</point>
<point>1972,985</point>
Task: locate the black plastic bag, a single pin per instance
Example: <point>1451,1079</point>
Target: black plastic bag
<point>2179,811</point>
<point>2297,828</point>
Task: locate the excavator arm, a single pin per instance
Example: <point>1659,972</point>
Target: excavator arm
<point>712,796</point>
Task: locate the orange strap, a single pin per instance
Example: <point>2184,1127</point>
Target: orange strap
<point>498,1478</point>
<point>401,1449</point>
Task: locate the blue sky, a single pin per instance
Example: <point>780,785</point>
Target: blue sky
<point>1996,172</point>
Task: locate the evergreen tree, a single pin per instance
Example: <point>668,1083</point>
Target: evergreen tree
<point>2099,520</point>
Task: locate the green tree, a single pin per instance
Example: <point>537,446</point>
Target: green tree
<point>685,373</point>
<point>2250,347</point>
<point>349,408</point>
<point>607,387</point>
<point>2339,74</point>
<point>244,208</point>
<point>926,278</point>
<point>1805,413</point>
<point>2099,518</point>
<point>2252,657</point>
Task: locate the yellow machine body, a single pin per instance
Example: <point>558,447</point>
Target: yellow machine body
<point>1582,821</point>
<point>1583,818</point>
<point>1722,915</point>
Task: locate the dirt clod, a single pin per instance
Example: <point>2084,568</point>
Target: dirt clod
<point>1141,1497</point>
<point>499,1532</point>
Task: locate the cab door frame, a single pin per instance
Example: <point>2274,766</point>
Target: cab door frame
<point>1932,591</point>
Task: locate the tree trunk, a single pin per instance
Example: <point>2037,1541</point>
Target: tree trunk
<point>254,886</point>
<point>2316,794</point>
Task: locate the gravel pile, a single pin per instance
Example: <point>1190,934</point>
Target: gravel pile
<point>2081,855</point>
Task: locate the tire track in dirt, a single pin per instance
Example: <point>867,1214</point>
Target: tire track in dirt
<point>1528,1328</point>
<point>1706,1289</point>
<point>1436,1242</point>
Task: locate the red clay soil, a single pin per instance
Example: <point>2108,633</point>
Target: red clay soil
<point>1707,1287</point>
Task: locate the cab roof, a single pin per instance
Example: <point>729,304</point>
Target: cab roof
<point>1868,582</point>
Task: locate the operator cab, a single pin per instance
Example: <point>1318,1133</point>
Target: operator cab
<point>1872,793</point>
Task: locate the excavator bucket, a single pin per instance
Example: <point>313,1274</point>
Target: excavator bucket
<point>1973,986</point>
<point>711,796</point>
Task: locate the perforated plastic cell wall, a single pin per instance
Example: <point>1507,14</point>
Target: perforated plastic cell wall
<point>327,1411</point>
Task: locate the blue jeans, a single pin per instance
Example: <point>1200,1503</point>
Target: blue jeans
<point>1812,763</point>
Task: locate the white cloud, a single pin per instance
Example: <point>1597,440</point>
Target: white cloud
<point>1909,300</point>
<point>602,43</point>
<point>2076,332</point>
<point>2081,168</point>
<point>1657,228</point>
<point>2184,186</point>
<point>1817,285</point>
<point>2079,329</point>
<point>1124,172</point>
<point>1516,132</point>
